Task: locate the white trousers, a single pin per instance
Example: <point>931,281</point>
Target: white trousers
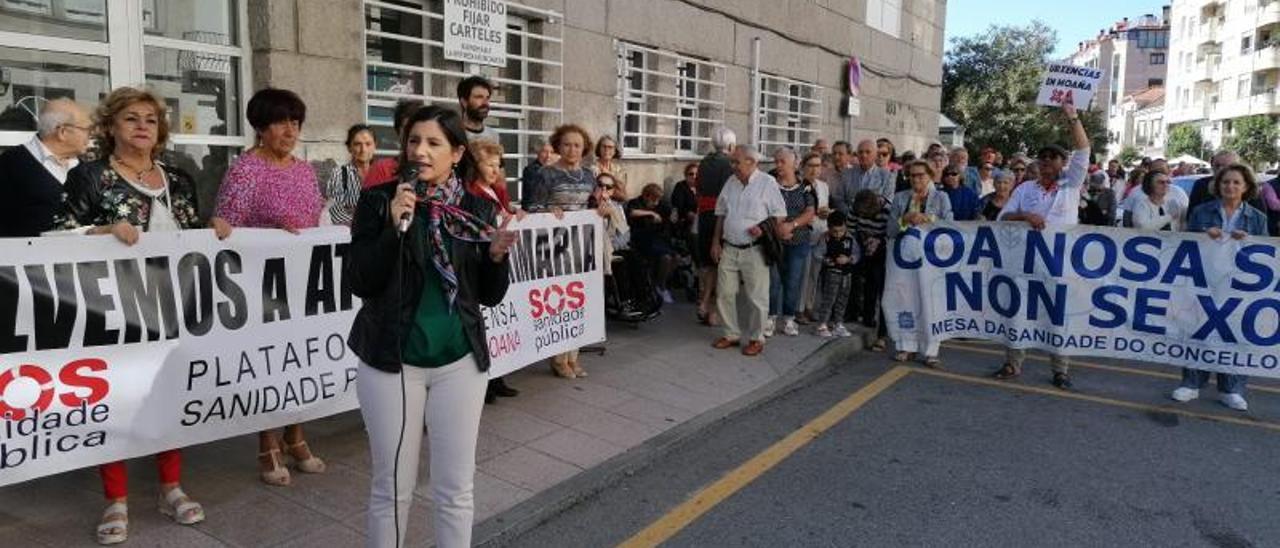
<point>394,406</point>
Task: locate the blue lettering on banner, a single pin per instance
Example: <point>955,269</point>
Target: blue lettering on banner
<point>906,320</point>
<point>1244,261</point>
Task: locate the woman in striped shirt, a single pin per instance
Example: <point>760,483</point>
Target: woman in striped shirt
<point>342,188</point>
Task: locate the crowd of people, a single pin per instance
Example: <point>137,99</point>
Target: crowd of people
<point>803,246</point>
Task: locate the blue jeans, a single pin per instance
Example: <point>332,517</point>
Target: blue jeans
<point>1227,383</point>
<point>787,278</point>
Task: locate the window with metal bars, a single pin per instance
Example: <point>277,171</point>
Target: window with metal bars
<point>669,103</point>
<point>789,112</point>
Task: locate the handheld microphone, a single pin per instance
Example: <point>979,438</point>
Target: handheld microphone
<point>408,174</point>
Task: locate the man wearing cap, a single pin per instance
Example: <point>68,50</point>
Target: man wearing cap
<point>1054,202</point>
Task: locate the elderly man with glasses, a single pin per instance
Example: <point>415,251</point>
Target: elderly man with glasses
<point>863,175</point>
<point>1053,201</point>
<point>36,171</point>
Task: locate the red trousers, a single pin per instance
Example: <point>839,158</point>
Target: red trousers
<point>115,475</point>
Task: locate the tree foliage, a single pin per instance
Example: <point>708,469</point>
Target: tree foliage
<point>1255,140</point>
<point>989,86</point>
<point>1128,155</point>
<point>1184,139</point>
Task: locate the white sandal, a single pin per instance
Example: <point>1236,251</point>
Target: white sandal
<point>180,508</point>
<point>114,527</point>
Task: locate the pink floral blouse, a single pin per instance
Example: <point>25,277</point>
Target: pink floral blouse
<point>256,194</point>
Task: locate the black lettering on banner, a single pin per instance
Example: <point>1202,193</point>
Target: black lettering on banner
<point>342,251</point>
<point>560,254</point>
<point>275,291</point>
<point>320,290</point>
<point>195,282</point>
<point>96,305</point>
<point>54,313</point>
<point>542,255</point>
<point>149,301</point>
<point>10,340</point>
<point>588,248</point>
<point>234,312</point>
<point>522,265</point>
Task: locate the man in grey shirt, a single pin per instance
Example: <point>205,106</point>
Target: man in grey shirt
<point>864,174</point>
<point>473,100</point>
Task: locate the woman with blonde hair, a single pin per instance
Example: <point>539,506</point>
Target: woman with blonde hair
<point>126,192</point>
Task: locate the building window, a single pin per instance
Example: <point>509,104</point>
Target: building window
<point>1242,87</point>
<point>885,16</point>
<point>404,59</point>
<point>1157,58</point>
<point>670,102</point>
<point>1150,39</point>
<point>190,52</point>
<point>1155,82</point>
<point>1246,44</point>
<point>789,112</point>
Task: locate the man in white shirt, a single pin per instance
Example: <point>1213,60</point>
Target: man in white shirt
<point>36,171</point>
<point>1052,201</point>
<point>748,198</point>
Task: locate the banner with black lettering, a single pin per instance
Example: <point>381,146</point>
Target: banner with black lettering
<point>1179,299</point>
<point>110,352</point>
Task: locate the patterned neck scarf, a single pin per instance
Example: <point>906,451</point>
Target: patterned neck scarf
<point>445,214</point>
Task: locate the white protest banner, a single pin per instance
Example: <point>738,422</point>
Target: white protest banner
<point>1068,83</point>
<point>1171,298</point>
<point>109,352</point>
<point>475,31</point>
<point>555,302</point>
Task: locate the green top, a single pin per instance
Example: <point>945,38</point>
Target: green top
<point>436,338</point>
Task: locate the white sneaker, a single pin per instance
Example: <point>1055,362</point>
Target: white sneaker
<point>1184,394</point>
<point>824,331</point>
<point>790,329</point>
<point>666,296</point>
<point>842,331</point>
<point>1235,401</point>
<point>769,326</point>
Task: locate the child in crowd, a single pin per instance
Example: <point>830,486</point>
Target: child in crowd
<point>869,224</point>
<point>838,252</point>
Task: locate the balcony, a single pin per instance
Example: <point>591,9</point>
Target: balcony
<point>1204,70</point>
<point>1268,13</point>
<point>1267,57</point>
<point>1262,103</point>
<point>1207,33</point>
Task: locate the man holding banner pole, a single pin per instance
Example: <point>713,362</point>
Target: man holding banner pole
<point>1052,202</point>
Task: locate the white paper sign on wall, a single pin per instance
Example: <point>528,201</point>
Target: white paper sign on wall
<point>475,31</point>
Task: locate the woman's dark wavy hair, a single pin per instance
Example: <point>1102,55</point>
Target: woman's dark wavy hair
<point>451,124</point>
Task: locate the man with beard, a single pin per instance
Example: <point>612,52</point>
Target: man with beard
<point>473,99</point>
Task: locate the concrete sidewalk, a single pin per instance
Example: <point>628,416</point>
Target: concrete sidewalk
<point>652,379</point>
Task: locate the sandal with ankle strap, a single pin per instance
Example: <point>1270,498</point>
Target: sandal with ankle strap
<point>178,506</point>
<point>114,527</point>
<point>310,465</point>
<point>277,475</point>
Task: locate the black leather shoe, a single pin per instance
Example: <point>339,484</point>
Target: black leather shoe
<point>499,387</point>
<point>489,397</point>
<point>1062,380</point>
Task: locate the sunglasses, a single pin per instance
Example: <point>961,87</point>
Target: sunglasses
<point>884,154</point>
<point>813,164</point>
<point>950,174</point>
<point>1019,169</point>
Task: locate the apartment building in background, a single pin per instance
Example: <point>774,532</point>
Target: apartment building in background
<point>659,75</point>
<point>1132,55</point>
<point>1224,64</point>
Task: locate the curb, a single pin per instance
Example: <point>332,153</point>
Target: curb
<point>505,526</point>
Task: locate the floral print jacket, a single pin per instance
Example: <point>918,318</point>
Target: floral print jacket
<point>95,195</point>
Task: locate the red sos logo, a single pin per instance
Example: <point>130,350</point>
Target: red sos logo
<point>555,299</point>
<point>73,380</point>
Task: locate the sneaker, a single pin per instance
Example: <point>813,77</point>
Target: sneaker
<point>824,331</point>
<point>666,296</point>
<point>1235,401</point>
<point>789,328</point>
<point>1184,394</point>
<point>1062,381</point>
<point>769,324</point>
<point>842,331</point>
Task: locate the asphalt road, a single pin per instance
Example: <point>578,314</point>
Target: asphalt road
<point>955,460</point>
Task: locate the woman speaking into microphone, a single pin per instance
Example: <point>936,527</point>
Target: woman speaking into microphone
<point>424,261</point>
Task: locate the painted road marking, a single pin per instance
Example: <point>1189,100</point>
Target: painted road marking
<point>703,501</point>
<point>1098,366</point>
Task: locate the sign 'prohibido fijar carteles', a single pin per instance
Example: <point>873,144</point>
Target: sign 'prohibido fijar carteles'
<point>475,31</point>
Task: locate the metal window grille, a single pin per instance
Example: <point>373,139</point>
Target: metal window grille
<point>668,103</point>
<point>789,112</point>
<point>404,59</point>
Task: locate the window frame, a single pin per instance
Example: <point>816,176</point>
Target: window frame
<point>667,93</point>
<point>801,127</point>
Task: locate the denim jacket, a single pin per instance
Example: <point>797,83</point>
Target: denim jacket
<point>937,206</point>
<point>1209,215</point>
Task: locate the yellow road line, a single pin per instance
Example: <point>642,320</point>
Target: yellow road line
<point>1099,366</point>
<point>1098,399</point>
<point>703,501</point>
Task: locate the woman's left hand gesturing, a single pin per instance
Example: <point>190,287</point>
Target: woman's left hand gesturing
<point>500,241</point>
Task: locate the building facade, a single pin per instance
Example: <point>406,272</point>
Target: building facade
<point>1138,122</point>
<point>1224,64</point>
<point>659,75</point>
<point>1133,57</point>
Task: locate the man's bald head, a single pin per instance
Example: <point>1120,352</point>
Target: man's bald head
<point>866,153</point>
<point>64,126</point>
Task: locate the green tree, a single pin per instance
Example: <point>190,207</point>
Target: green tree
<point>1128,155</point>
<point>1184,139</point>
<point>990,83</point>
<point>1255,140</point>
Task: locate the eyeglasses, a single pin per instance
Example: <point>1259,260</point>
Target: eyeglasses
<point>813,164</point>
<point>86,129</point>
<point>884,155</point>
<point>951,174</point>
<point>1019,169</point>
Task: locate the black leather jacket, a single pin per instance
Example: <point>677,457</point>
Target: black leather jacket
<point>389,278</point>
